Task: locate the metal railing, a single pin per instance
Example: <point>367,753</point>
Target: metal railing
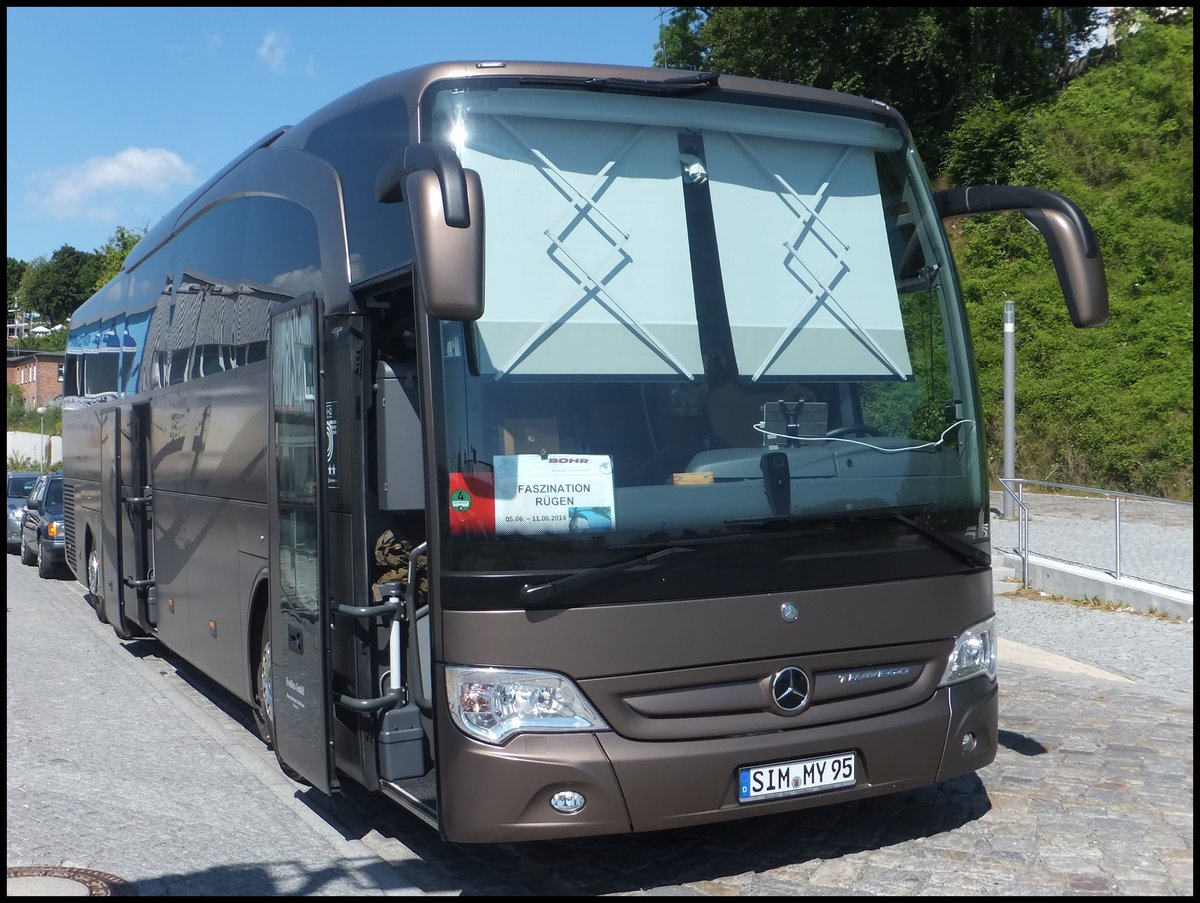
<point>1162,531</point>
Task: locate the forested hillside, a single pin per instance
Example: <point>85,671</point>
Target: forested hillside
<point>1112,406</point>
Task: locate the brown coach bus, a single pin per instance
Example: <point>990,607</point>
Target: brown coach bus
<point>562,450</point>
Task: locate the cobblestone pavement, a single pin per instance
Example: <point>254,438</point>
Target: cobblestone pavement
<point>123,761</point>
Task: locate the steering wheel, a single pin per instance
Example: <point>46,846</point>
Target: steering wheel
<point>854,429</point>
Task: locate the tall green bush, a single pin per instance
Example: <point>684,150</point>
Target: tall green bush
<point>1112,406</point>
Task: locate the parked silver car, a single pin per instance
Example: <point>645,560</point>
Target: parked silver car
<point>20,484</point>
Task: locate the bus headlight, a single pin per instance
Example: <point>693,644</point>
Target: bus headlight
<point>974,654</point>
<point>494,704</point>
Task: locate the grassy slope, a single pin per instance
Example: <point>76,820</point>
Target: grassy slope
<point>1109,407</point>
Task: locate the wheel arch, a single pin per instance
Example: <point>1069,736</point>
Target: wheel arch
<point>256,623</point>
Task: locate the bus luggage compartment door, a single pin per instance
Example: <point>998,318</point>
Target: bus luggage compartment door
<point>112,521</point>
<point>297,618</point>
<point>137,582</point>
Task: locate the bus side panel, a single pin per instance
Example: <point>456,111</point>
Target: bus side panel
<point>83,525</point>
<point>202,576</point>
<point>208,453</point>
<point>110,505</point>
<point>230,436</point>
<point>210,439</point>
<point>215,592</point>
<point>171,550</point>
<point>134,515</point>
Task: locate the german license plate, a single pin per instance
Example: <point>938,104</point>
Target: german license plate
<point>761,782</point>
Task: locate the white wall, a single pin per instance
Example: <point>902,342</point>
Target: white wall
<point>29,445</point>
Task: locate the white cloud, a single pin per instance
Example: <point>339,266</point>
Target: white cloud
<point>297,282</point>
<point>275,49</point>
<point>98,187</point>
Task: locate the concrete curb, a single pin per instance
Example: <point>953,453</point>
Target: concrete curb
<point>1060,578</point>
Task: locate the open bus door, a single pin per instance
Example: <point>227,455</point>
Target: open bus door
<point>297,617</point>
<point>113,447</point>
<point>135,557</point>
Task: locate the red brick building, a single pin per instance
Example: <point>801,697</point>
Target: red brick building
<point>38,373</point>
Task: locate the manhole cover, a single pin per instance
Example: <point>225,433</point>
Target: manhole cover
<point>60,881</point>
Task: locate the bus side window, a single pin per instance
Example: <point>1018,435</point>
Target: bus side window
<point>210,261</point>
<point>282,261</point>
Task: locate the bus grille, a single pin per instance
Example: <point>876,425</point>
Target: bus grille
<point>69,519</point>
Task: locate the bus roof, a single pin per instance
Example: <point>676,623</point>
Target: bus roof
<point>410,85</point>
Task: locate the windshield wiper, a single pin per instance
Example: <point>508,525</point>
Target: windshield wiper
<point>540,593</point>
<point>786,523</point>
<point>964,550</point>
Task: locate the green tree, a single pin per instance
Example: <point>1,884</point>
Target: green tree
<point>679,45</point>
<point>987,146</point>
<point>16,269</point>
<point>17,305</point>
<point>16,274</point>
<point>53,341</point>
<point>56,287</point>
<point>112,255</point>
<point>16,403</point>
<point>932,63</point>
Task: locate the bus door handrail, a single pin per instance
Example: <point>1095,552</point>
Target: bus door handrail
<point>403,609</point>
<point>394,606</point>
<point>146,498</point>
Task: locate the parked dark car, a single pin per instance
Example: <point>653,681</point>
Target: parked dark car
<point>20,484</point>
<point>43,536</point>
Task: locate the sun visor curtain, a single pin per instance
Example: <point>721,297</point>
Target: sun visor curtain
<point>588,268</point>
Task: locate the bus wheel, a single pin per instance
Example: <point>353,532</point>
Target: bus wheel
<point>93,585</point>
<point>264,706</point>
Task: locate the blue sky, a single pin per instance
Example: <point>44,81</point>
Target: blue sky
<point>116,114</point>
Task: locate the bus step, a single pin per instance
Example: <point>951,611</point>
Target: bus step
<point>401,744</point>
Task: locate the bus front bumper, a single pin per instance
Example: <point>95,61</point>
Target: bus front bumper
<point>502,794</point>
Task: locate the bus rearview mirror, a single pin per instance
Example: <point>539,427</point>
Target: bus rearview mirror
<point>1069,235</point>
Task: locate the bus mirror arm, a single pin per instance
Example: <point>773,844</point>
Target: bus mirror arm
<point>441,159</point>
<point>1069,235</point>
<point>445,210</point>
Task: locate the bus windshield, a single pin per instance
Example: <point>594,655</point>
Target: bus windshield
<point>703,318</point>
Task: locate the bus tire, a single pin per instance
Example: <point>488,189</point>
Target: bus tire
<point>264,708</point>
<point>262,684</point>
<point>93,585</point>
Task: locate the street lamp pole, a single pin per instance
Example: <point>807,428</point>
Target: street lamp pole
<point>42,433</point>
<point>1010,401</point>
